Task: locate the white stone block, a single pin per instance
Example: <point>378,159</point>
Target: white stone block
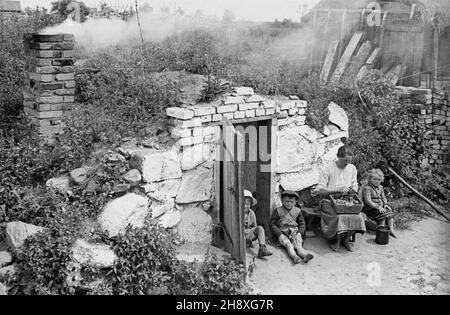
<point>180,113</point>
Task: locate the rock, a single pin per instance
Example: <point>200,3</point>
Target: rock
<point>80,175</point>
<point>126,150</point>
<point>3,289</point>
<point>95,255</point>
<point>8,271</point>
<point>194,156</point>
<point>115,157</point>
<point>206,206</point>
<point>443,286</point>
<point>169,187</point>
<point>428,289</point>
<point>244,91</point>
<point>197,185</point>
<point>121,189</point>
<point>5,259</point>
<point>197,252</point>
<point>333,129</point>
<point>436,278</point>
<point>300,180</point>
<point>431,266</point>
<point>133,177</point>
<point>412,278</point>
<point>130,209</point>
<point>18,232</point>
<point>156,166</point>
<point>195,226</point>
<point>60,184</point>
<point>338,116</point>
<point>92,187</point>
<point>294,151</point>
<point>107,187</point>
<point>329,154</point>
<point>150,144</point>
<point>148,188</point>
<point>308,133</point>
<point>161,205</point>
<point>170,219</point>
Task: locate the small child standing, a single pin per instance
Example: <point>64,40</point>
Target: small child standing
<point>251,229</point>
<point>288,225</point>
<point>375,203</point>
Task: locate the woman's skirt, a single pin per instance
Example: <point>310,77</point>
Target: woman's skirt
<point>334,224</point>
<point>376,215</point>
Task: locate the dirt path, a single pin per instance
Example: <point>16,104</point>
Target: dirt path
<point>416,263</point>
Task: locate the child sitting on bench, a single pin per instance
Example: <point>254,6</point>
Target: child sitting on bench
<point>288,226</point>
<point>251,229</point>
<point>375,203</point>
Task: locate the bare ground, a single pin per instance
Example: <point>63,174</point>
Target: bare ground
<point>415,263</point>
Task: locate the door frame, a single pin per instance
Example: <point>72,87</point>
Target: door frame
<point>220,234</point>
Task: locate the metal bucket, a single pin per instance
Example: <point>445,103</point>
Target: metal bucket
<point>383,233</point>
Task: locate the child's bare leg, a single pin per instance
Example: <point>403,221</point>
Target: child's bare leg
<point>289,247</point>
<point>391,227</point>
<point>298,245</point>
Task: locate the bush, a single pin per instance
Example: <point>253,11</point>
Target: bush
<point>42,265</point>
<point>148,265</point>
<point>146,257</point>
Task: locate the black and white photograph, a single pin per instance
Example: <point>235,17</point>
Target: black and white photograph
<point>239,150</point>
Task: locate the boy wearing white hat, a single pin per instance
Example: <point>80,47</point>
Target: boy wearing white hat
<point>251,229</point>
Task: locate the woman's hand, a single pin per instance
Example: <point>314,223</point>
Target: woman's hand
<point>344,190</point>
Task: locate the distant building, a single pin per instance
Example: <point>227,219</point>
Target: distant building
<point>10,6</point>
<point>414,33</point>
<point>8,10</point>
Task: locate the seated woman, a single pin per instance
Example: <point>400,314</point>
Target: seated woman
<point>339,177</point>
<point>375,203</point>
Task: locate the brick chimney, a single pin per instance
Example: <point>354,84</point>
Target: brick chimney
<point>49,90</point>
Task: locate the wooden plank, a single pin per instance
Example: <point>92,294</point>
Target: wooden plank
<point>358,60</point>
<point>227,183</point>
<point>435,56</point>
<point>265,176</point>
<point>249,120</point>
<point>342,32</point>
<point>238,224</point>
<point>403,28</point>
<point>369,64</point>
<point>348,53</point>
<point>329,61</point>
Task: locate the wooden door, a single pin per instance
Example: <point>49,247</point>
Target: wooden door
<point>232,192</point>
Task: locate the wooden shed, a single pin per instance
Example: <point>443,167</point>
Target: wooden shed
<point>8,9</point>
<point>412,33</point>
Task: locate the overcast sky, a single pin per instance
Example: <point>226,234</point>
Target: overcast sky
<point>254,10</point>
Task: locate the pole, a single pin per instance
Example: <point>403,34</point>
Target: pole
<point>418,194</point>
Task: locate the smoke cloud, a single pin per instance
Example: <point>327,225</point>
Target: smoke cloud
<point>99,33</point>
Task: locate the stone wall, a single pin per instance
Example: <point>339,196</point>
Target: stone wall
<point>300,149</point>
<point>49,91</point>
<point>432,107</point>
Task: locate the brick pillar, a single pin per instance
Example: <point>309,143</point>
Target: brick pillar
<point>49,91</point>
